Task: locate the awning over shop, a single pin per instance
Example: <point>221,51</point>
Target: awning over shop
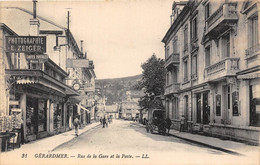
<point>83,108</point>
<point>27,80</point>
<point>26,76</point>
<point>249,76</point>
<point>74,99</point>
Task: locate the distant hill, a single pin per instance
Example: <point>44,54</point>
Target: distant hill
<point>114,89</point>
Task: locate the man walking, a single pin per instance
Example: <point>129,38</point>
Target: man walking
<point>182,123</point>
<point>168,124</point>
<point>76,124</point>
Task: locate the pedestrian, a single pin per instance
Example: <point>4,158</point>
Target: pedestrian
<point>182,123</point>
<point>104,122</point>
<point>101,121</point>
<point>22,132</point>
<point>76,124</point>
<point>168,124</point>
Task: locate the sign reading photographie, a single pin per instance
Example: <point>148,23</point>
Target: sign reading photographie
<point>26,44</point>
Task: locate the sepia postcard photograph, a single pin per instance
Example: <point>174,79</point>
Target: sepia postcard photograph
<point>129,82</point>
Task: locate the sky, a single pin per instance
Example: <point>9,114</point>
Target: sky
<point>118,35</point>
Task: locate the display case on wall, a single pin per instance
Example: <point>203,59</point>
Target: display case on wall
<point>42,115</point>
<point>30,121</point>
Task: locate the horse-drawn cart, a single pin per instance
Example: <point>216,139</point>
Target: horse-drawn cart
<point>156,122</point>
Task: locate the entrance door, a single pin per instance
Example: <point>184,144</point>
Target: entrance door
<point>254,106</point>
<point>227,103</point>
<point>198,108</point>
<point>31,116</point>
<point>206,110</point>
<point>186,112</point>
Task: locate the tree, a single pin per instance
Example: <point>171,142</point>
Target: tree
<point>153,82</point>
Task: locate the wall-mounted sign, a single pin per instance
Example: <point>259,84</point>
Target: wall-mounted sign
<point>26,44</point>
<point>39,58</point>
<point>77,63</point>
<point>14,102</point>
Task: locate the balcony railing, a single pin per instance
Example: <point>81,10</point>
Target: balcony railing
<point>172,88</point>
<point>220,19</point>
<point>226,67</point>
<point>252,51</point>
<point>174,58</point>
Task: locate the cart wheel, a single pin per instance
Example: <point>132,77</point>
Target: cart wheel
<point>147,129</point>
<point>151,130</point>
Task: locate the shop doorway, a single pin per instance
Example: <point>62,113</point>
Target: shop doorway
<point>31,116</point>
<point>186,99</point>
<point>254,105</point>
<point>227,103</point>
<point>198,103</point>
<point>206,109</point>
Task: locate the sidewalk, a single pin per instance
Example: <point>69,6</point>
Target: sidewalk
<point>49,143</point>
<point>227,146</point>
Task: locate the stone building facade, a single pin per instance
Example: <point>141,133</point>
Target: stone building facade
<point>212,62</point>
<point>42,90</point>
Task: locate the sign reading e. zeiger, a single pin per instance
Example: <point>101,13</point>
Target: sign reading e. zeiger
<point>26,44</point>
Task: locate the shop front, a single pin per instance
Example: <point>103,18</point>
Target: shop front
<point>36,118</point>
<point>42,100</point>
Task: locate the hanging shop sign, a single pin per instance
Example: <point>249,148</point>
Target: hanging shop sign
<point>14,102</point>
<point>77,63</point>
<point>76,86</point>
<point>26,44</point>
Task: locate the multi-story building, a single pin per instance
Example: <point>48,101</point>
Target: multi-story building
<point>112,111</point>
<point>212,62</point>
<point>38,84</point>
<point>129,107</point>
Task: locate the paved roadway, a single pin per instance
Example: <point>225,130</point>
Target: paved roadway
<point>128,142</point>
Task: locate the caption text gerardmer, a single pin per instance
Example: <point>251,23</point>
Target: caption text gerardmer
<point>95,156</point>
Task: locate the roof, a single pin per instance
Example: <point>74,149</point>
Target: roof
<point>176,23</point>
<point>111,108</point>
<point>6,28</point>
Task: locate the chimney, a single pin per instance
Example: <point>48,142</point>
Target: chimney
<point>34,22</point>
<point>81,46</point>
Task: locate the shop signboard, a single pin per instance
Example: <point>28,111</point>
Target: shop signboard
<point>39,58</point>
<point>26,44</point>
<point>14,102</point>
<point>77,63</point>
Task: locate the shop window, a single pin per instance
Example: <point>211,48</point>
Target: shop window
<point>42,115</point>
<point>186,99</point>
<point>235,98</point>
<point>228,96</point>
<point>254,105</point>
<point>31,120</point>
<point>218,105</point>
<point>198,102</point>
<point>58,116</point>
